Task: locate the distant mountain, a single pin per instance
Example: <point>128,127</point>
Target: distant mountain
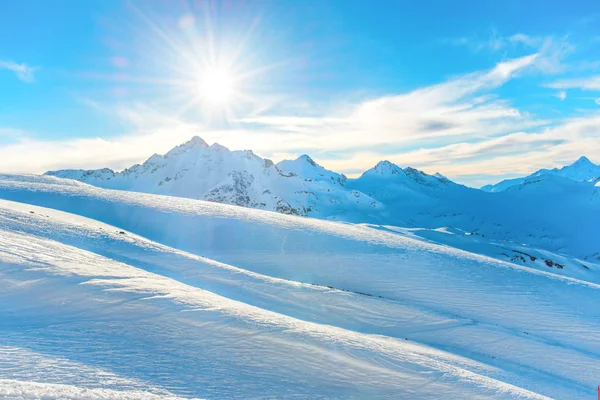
<point>582,170</point>
<point>300,187</point>
<point>305,167</point>
<point>404,191</point>
<point>549,211</point>
<point>199,171</point>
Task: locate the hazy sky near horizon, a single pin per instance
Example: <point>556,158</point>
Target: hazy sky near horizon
<point>478,91</point>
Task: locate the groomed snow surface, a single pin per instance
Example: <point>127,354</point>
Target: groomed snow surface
<point>120,295</point>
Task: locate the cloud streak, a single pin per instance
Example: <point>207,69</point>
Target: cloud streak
<point>456,110</point>
<point>591,83</point>
<point>23,72</point>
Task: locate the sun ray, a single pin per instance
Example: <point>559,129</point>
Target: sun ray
<point>163,35</point>
<point>200,68</point>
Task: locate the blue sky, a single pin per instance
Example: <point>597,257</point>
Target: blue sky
<point>478,91</point>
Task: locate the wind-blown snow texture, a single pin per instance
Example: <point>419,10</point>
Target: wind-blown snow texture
<point>114,294</point>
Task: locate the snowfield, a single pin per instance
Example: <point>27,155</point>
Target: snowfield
<point>119,295</point>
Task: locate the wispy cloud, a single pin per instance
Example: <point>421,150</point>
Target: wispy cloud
<point>23,72</point>
<point>495,41</point>
<point>517,153</point>
<point>562,95</point>
<point>527,40</point>
<point>588,83</point>
<point>442,113</point>
<point>552,50</point>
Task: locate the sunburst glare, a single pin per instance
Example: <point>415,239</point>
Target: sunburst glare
<point>201,67</point>
<point>216,86</point>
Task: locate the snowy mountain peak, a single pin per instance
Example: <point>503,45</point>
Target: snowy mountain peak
<point>582,161</point>
<point>581,170</point>
<point>307,168</point>
<point>384,168</point>
<point>425,179</point>
<point>195,142</point>
<point>154,159</point>
<point>218,147</point>
<point>306,158</point>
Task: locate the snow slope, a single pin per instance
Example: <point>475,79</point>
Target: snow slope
<point>113,294</point>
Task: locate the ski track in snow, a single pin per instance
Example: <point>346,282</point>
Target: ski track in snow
<point>347,311</point>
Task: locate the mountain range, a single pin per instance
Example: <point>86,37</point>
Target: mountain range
<point>553,209</point>
<point>582,170</point>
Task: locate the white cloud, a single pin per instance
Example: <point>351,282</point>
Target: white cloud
<point>562,95</point>
<point>552,54</point>
<point>445,112</point>
<point>493,41</point>
<point>552,50</point>
<point>588,83</point>
<point>530,41</point>
<point>520,153</point>
<point>23,72</point>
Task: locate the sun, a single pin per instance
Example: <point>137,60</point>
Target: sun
<point>204,74</point>
<point>216,86</point>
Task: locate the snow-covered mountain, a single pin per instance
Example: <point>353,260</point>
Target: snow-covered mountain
<point>300,187</point>
<point>548,211</point>
<point>199,171</point>
<point>582,170</point>
<point>391,184</point>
